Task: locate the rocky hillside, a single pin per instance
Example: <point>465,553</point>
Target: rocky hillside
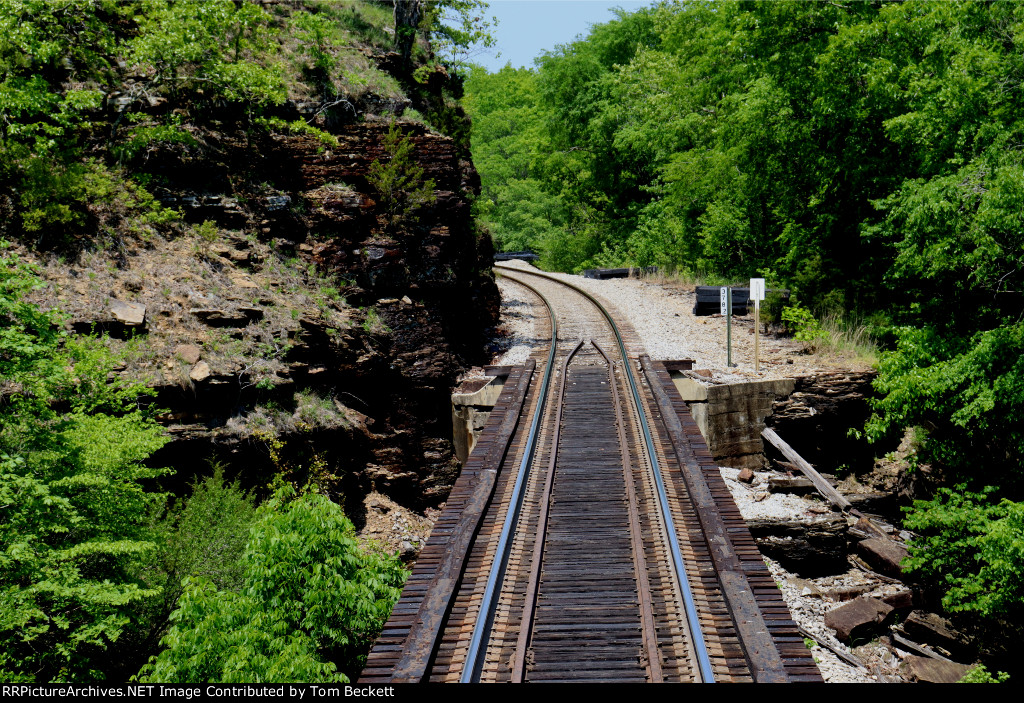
<point>286,302</point>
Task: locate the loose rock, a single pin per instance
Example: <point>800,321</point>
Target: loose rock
<point>128,314</point>
<point>858,619</point>
<point>189,353</point>
<point>928,670</point>
<point>883,554</point>
<point>200,372</point>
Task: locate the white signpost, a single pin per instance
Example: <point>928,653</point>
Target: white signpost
<point>757,295</point>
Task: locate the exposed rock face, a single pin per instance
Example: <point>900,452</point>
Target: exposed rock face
<point>420,300</point>
<point>808,547</point>
<point>820,412</point>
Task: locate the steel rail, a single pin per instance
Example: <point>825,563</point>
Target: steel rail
<point>679,565</point>
<point>485,619</point>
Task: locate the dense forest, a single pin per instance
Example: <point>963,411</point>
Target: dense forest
<point>111,567</point>
<point>869,156</point>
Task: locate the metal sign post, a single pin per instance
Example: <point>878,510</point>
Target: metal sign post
<point>726,307</point>
<point>757,295</point>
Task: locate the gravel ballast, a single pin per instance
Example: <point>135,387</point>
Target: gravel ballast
<point>662,315</point>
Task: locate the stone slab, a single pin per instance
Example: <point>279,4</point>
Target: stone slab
<point>883,554</point>
<point>859,619</point>
<point>926,670</point>
<point>129,314</point>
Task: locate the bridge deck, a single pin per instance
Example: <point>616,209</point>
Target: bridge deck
<point>411,641</point>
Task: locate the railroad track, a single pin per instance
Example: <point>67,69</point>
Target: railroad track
<point>584,542</point>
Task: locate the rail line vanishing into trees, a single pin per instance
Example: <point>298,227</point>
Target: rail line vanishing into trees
<point>590,537</point>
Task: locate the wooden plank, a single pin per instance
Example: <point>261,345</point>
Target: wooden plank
<point>918,648</point>
<point>424,633</point>
<point>761,654</point>
<point>819,482</point>
<point>833,647</point>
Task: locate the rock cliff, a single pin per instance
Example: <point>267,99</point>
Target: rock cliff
<point>287,308</point>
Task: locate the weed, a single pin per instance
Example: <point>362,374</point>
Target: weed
<point>206,234</point>
<point>832,335</point>
<point>373,323</point>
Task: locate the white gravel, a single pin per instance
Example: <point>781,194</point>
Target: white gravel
<point>662,315</point>
<point>520,327</point>
<point>757,503</point>
<point>809,599</point>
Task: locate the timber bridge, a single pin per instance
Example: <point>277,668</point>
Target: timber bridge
<point>590,536</point>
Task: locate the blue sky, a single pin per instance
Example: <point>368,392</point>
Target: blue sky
<point>528,27</point>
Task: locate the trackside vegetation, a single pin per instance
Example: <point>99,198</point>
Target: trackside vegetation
<point>867,155</point>
<point>104,576</point>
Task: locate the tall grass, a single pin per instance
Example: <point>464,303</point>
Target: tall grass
<point>847,338</point>
<point>686,277</point>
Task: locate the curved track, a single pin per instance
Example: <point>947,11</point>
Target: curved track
<point>589,610</point>
<point>585,540</point>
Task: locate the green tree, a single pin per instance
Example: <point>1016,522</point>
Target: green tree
<point>310,603</point>
<point>74,513</point>
<point>398,179</point>
<point>459,29</point>
<point>510,151</point>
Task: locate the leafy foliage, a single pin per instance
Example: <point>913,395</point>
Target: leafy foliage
<point>458,29</point>
<point>980,674</point>
<point>398,179</point>
<point>202,535</point>
<point>191,45</point>
<point>510,152</point>
<point>974,547</point>
<point>310,603</point>
<point>74,513</point>
<point>966,392</point>
<point>806,327</point>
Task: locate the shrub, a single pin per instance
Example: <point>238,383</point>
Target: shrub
<point>806,327</point>
<point>399,180</point>
<point>973,548</point>
<point>75,530</point>
<point>980,674</point>
<point>311,603</point>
